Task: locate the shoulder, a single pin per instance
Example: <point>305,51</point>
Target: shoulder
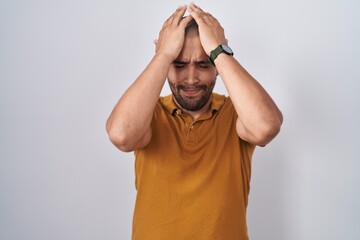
<point>222,104</point>
<point>228,117</point>
<point>165,104</point>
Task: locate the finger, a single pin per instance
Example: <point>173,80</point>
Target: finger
<point>166,21</point>
<point>184,22</point>
<point>210,17</point>
<point>196,8</point>
<point>171,18</point>
<point>179,14</point>
<point>206,18</point>
<point>199,15</point>
<point>195,13</point>
<point>155,43</point>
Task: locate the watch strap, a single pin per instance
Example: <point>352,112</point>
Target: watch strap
<point>216,52</point>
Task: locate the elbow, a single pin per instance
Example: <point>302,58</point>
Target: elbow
<point>269,135</point>
<point>118,137</point>
<point>120,140</point>
<point>127,139</point>
<point>269,132</point>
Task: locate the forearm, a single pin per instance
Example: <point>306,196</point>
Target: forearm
<point>129,123</point>
<point>260,119</point>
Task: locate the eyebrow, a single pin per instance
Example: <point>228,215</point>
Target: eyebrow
<point>179,62</point>
<point>203,61</point>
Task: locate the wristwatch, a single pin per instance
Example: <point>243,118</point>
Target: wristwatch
<point>220,49</point>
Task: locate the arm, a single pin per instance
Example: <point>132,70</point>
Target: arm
<point>259,119</point>
<point>128,125</point>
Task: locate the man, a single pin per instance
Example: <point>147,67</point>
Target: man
<point>193,148</point>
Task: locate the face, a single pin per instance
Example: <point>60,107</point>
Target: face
<point>192,76</point>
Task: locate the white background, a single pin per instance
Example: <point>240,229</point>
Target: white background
<point>64,64</point>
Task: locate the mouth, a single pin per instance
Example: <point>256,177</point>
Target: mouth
<point>192,91</point>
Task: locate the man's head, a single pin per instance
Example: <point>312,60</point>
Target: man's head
<point>192,76</point>
<point>192,28</point>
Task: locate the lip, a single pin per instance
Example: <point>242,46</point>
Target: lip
<point>191,92</point>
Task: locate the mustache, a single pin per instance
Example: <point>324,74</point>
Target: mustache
<point>192,87</point>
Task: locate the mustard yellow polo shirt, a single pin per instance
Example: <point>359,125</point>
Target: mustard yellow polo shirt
<point>193,178</point>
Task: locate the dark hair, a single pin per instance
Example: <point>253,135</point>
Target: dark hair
<point>192,27</point>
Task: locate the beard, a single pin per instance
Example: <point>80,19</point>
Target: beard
<point>192,103</point>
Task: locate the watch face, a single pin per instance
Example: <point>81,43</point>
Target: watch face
<point>227,49</point>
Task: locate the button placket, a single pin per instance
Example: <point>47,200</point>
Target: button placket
<point>191,135</point>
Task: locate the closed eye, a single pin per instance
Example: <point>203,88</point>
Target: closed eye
<point>203,64</point>
<point>179,64</point>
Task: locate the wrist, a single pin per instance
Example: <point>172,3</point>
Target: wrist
<point>218,51</point>
<point>221,60</point>
<point>166,58</point>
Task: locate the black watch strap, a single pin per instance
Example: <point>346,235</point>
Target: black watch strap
<point>216,52</point>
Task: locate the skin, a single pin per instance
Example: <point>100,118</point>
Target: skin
<point>184,61</point>
<point>192,78</point>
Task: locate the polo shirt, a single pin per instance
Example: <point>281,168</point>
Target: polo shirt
<point>193,178</point>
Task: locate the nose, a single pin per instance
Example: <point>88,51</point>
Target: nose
<point>192,74</point>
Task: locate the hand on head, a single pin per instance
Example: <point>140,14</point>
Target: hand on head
<point>210,31</point>
<point>172,34</point>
